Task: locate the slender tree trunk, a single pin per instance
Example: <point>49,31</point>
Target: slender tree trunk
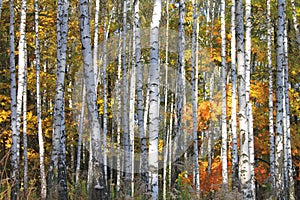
<point>194,78</point>
<point>271,108</point>
<point>244,167</point>
<point>224,123</point>
<point>96,42</point>
<point>97,188</point>
<point>166,136</point>
<point>21,85</point>
<point>171,141</point>
<point>38,102</point>
<point>13,105</point>
<point>140,102</point>
<point>179,91</point>
<point>235,167</point>
<point>127,161</point>
<point>104,82</point>
<point>81,121</point>
<point>118,95</point>
<point>154,100</point>
<point>57,179</point>
<point>25,146</point>
<point>249,105</point>
<point>280,62</point>
<point>132,103</point>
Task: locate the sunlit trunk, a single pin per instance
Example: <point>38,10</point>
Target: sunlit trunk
<point>97,186</point>
<point>154,99</point>
<point>224,123</point>
<point>38,102</point>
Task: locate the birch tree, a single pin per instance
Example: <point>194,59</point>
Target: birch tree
<point>132,103</point>
<point>154,100</point>
<point>81,120</point>
<point>127,162</point>
<point>13,104</point>
<point>244,167</point>
<point>96,42</point>
<point>280,65</point>
<point>179,85</point>
<point>194,77</point>
<point>104,82</point>
<point>118,92</point>
<point>38,102</point>
<point>224,123</point>
<point>19,101</point>
<point>57,179</point>
<point>235,166</point>
<point>25,146</point>
<point>140,102</point>
<point>97,187</point>
<point>271,109</point>
<point>249,105</point>
<point>166,133</point>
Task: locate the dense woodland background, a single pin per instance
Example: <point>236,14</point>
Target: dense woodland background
<point>136,99</point>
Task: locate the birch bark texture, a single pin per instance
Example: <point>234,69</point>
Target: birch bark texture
<point>271,106</point>
<point>57,179</point>
<point>194,79</point>
<point>280,65</point>
<point>224,122</point>
<point>97,187</point>
<point>249,117</point>
<point>154,98</point>
<point>244,166</point>
<point>38,102</point>
<point>125,125</point>
<point>140,96</point>
<point>13,105</point>
<point>235,167</point>
<point>15,148</point>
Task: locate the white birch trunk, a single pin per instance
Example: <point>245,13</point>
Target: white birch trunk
<point>154,99</point>
<point>132,110</point>
<point>279,152</point>
<point>127,161</point>
<point>235,161</point>
<point>179,90</point>
<point>21,85</point>
<point>81,121</point>
<point>271,107</point>
<point>166,135</point>
<point>38,103</point>
<point>13,104</point>
<point>194,78</point>
<point>118,95</point>
<point>104,100</point>
<point>57,181</point>
<point>97,189</point>
<point>249,105</point>
<point>96,42</point>
<point>244,165</point>
<point>140,102</point>
<point>224,123</point>
<point>25,146</point>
